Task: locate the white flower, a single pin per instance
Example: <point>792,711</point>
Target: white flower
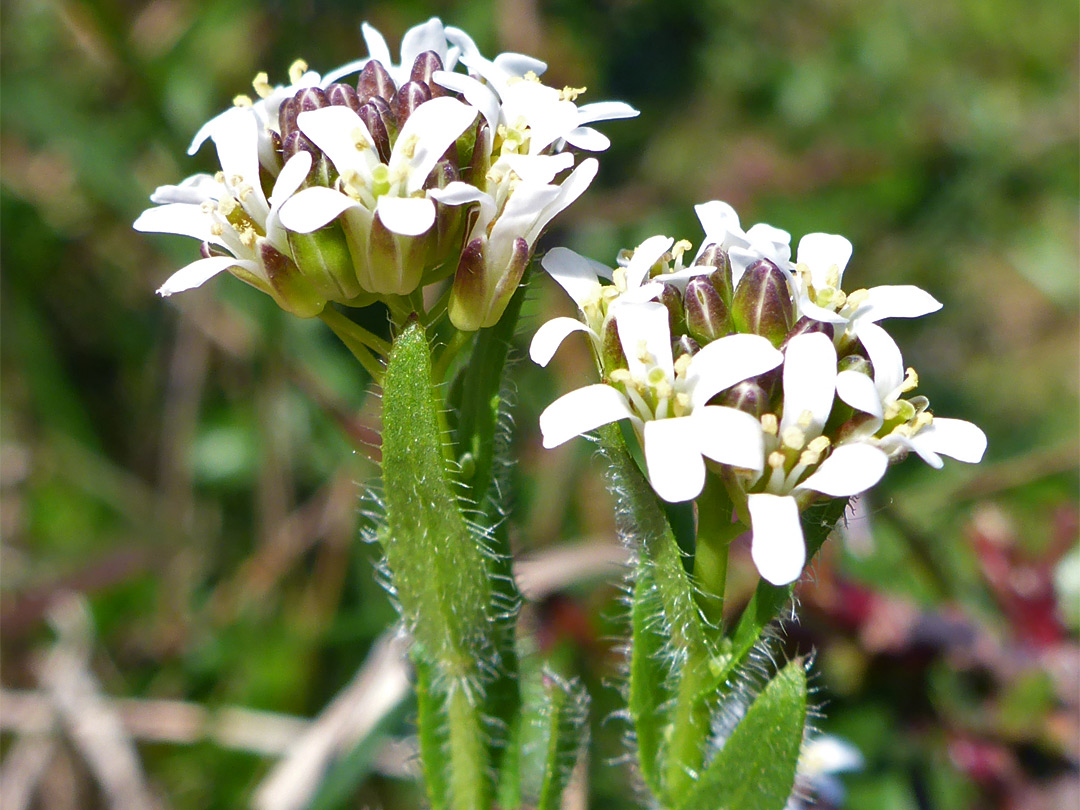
<point>820,759</point>
<point>794,448</point>
<point>366,188</point>
<point>762,241</point>
<point>428,36</point>
<point>819,271</point>
<point>666,402</point>
<point>229,211</point>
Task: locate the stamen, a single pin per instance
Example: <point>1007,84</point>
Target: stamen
<point>832,277</point>
<point>682,404</point>
<point>682,364</point>
<point>242,101</point>
<point>911,381</point>
<point>805,420</point>
<point>360,140</point>
<point>297,70</point>
<point>777,478</point>
<point>793,438</point>
<point>262,85</point>
<point>620,375</point>
<point>571,93</point>
<point>857,298</point>
<point>769,424</point>
<point>679,248</point>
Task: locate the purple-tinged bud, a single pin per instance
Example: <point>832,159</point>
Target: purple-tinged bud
<point>672,299</point>
<point>449,228</point>
<point>684,345</point>
<point>481,293</point>
<point>343,95</point>
<point>806,326</point>
<point>374,82</point>
<point>479,160</point>
<point>295,142</point>
<point>706,316</point>
<point>852,424</point>
<point>287,113</point>
<point>275,142</point>
<point>311,98</point>
<point>716,256</point>
<point>424,68</point>
<point>373,120</point>
<point>289,288</point>
<point>408,97</point>
<point>611,351</point>
<point>746,396</point>
<point>762,303</point>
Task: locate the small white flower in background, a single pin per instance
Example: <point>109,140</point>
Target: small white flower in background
<point>820,760</point>
<point>762,241</point>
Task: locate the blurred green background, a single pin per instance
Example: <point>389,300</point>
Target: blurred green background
<point>181,479</point>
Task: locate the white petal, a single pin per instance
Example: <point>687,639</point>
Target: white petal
<point>774,243</point>
<point>570,189</point>
<point>644,331</point>
<point>954,438</point>
<point>576,274</point>
<point>885,357</point>
<point>290,178</point>
<point>196,189</point>
<point>896,301</point>
<point>858,391</point>
<point>588,139</point>
<point>474,92</point>
<point>340,72</point>
<point>849,470</point>
<point>605,111</point>
<point>519,218</point>
<point>184,219</point>
<point>676,468</point>
<point>777,546</point>
<point>427,36</point>
<point>459,193</point>
<point>645,256</point>
<point>376,45</point>
<point>427,134</point>
<point>639,295</point>
<point>336,130</point>
<point>809,381</point>
<point>518,64</point>
<point>408,216</point>
<point>718,219</point>
<point>820,251</point>
<point>236,137</point>
<point>729,436</point>
<point>582,410</point>
<point>550,336</point>
<point>312,208</point>
<point>538,168</point>
<point>814,312</point>
<point>199,272</point>
<point>726,361</point>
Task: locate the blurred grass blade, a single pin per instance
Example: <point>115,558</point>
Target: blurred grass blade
<point>755,770</point>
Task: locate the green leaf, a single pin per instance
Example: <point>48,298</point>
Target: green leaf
<point>755,770</point>
<point>438,567</point>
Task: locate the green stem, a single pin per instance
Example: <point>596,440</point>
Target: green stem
<point>690,728</point>
<point>358,349</point>
<point>457,342</point>
<point>340,324</point>
<point>715,533</point>
<point>469,778</point>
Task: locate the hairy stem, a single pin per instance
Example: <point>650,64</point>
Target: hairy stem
<point>469,780</point>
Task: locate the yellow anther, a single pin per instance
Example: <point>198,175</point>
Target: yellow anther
<point>618,279</point>
<point>663,389</point>
<point>226,205</point>
<point>819,445</point>
<point>682,364</point>
<point>911,381</point>
<point>262,85</point>
<point>571,93</point>
<point>297,70</point>
<point>207,207</point>
<point>242,101</point>
<point>793,437</point>
<point>809,458</point>
<point>409,147</point>
<point>805,420</point>
<point>219,177</point>
<point>359,139</point>
<point>832,277</point>
<point>244,191</point>
<point>892,410</point>
<point>643,353</point>
<point>839,299</point>
<point>769,423</point>
<point>682,404</point>
<point>679,248</point>
<point>857,298</point>
<point>806,277</point>
<point>924,419</point>
<point>776,460</point>
<point>531,76</point>
<point>216,229</point>
<point>248,236</point>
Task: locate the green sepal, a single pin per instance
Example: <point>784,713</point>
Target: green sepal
<point>755,770</point>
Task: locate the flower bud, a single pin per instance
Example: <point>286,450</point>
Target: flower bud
<point>287,113</point>
<point>449,225</point>
<point>805,326</point>
<point>311,98</point>
<point>373,119</point>
<point>612,355</point>
<point>672,299</point>
<point>746,396</point>
<point>424,68</point>
<point>408,97</point>
<point>374,82</point>
<point>289,288</point>
<point>343,95</point>
<point>855,362</point>
<point>684,345</point>
<point>706,316</point>
<point>481,292</point>
<point>716,256</point>
<point>762,302</point>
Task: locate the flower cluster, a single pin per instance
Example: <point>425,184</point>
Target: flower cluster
<point>349,191</point>
<point>749,366</point>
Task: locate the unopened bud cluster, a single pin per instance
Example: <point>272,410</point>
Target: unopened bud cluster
<point>751,367</point>
<point>348,190</point>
